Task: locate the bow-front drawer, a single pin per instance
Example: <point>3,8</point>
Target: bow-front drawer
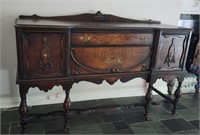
<point>102,38</point>
<point>101,60</point>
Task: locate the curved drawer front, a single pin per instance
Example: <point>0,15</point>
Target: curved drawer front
<point>109,60</point>
<point>112,38</point>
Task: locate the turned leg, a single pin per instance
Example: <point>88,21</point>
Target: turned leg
<point>197,86</point>
<point>170,86</point>
<point>66,106</point>
<point>23,109</point>
<point>148,99</point>
<point>177,96</point>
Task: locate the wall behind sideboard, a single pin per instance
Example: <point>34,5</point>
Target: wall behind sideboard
<point>166,11</point>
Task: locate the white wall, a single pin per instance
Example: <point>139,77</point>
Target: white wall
<point>167,12</point>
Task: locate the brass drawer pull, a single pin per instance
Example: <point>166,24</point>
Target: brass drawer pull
<point>143,39</point>
<point>85,38</point>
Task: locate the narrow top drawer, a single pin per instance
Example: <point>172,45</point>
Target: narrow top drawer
<point>112,38</point>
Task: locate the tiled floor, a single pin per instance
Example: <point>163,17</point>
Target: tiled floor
<point>116,121</point>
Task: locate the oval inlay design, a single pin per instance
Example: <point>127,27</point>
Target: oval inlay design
<point>45,59</point>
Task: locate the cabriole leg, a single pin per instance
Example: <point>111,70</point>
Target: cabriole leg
<point>197,86</point>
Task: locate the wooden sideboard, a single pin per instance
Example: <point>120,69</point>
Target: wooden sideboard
<point>63,50</point>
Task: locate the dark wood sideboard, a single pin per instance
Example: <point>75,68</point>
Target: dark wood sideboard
<point>63,50</point>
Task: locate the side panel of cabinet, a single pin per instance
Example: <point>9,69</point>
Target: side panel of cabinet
<point>44,54</point>
<point>171,52</point>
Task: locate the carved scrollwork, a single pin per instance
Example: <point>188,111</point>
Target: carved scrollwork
<point>170,58</point>
<point>77,71</point>
<point>99,17</point>
<point>47,86</point>
<point>62,48</point>
<point>183,52</point>
<point>45,58</point>
<point>113,70</point>
<point>25,45</point>
<point>144,68</point>
<point>174,58</point>
<point>112,80</point>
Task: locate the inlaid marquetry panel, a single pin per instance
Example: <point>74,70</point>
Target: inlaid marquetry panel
<point>44,54</point>
<point>171,52</point>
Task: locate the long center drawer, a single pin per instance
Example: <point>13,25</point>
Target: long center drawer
<point>102,38</point>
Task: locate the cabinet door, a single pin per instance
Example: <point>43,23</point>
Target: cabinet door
<point>171,52</point>
<point>43,54</point>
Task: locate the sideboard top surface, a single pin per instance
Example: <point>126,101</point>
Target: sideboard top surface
<point>82,24</point>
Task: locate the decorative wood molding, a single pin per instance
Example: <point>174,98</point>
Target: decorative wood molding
<point>46,86</point>
<point>174,58</point>
<point>25,46</point>
<point>62,44</point>
<point>183,52</point>
<point>97,17</point>
<point>170,58</point>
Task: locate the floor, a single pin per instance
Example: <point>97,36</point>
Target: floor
<point>115,121</point>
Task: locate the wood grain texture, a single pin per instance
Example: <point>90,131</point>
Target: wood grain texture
<point>111,39</point>
<point>97,17</point>
<point>44,58</point>
<point>109,59</point>
<point>171,52</point>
